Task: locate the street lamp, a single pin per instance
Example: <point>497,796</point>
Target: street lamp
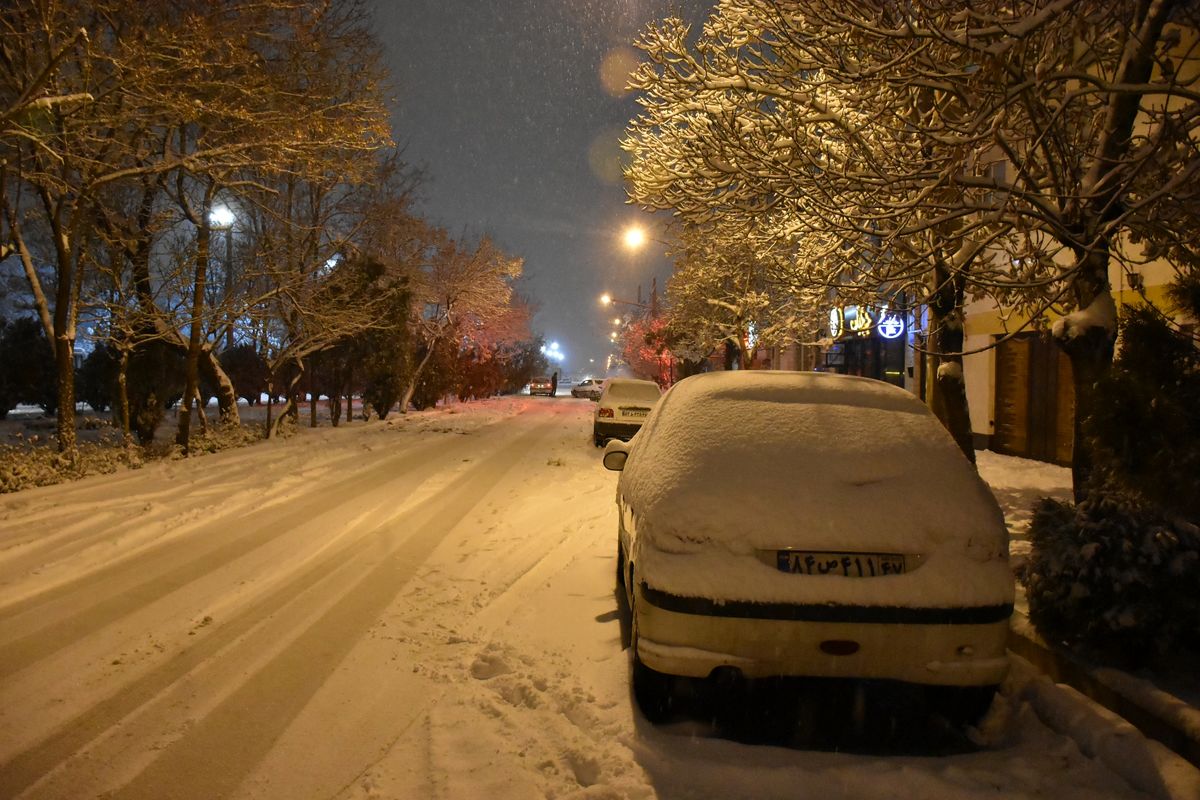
<point>553,352</point>
<point>608,300</point>
<point>221,218</point>
<point>634,237</point>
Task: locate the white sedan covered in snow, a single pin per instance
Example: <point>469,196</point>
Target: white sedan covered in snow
<point>623,406</point>
<point>807,524</point>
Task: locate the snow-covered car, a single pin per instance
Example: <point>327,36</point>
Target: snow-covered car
<point>541,385</point>
<point>589,388</point>
<point>807,524</point>
<point>622,408</point>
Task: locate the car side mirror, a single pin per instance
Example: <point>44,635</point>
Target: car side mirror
<point>615,454</point>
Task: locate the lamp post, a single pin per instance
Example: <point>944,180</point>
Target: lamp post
<point>221,218</point>
<point>607,299</point>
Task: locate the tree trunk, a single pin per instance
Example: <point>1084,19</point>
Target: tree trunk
<point>201,412</point>
<point>411,389</point>
<point>948,389</point>
<point>289,408</point>
<point>312,394</point>
<point>270,405</point>
<point>731,355</point>
<point>215,374</point>
<point>192,374</point>
<point>123,396</point>
<point>1089,344</point>
<point>1091,357</point>
<point>64,358</point>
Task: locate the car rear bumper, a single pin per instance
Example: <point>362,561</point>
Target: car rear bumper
<point>608,429</point>
<point>948,647</point>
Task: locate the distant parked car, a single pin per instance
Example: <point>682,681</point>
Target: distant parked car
<point>622,408</point>
<point>806,524</point>
<point>541,385</point>
<point>589,388</point>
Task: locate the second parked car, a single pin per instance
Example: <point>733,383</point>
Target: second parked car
<point>589,388</point>
<point>623,407</point>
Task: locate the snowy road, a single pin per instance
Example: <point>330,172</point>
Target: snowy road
<point>421,608</point>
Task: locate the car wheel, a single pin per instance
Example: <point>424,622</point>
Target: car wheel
<point>620,564</point>
<point>961,706</point>
<point>598,440</point>
<point>653,690</point>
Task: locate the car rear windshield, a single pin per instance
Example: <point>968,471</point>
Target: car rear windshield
<point>644,392</point>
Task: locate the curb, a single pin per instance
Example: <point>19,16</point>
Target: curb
<point>1142,763</point>
<point>1157,714</point>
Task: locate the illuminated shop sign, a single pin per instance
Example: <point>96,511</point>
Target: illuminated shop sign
<point>861,320</point>
<point>890,324</point>
<point>835,323</point>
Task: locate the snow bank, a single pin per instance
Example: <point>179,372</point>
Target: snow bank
<point>754,461</point>
<point>1143,763</point>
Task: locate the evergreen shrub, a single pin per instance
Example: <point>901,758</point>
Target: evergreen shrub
<point>1114,575</point>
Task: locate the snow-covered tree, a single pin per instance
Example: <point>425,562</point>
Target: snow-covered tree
<point>463,285</point>
<point>727,292</point>
<point>939,151</point>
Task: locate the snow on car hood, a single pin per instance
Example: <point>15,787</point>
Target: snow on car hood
<point>735,462</point>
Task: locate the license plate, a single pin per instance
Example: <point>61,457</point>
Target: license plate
<point>635,412</point>
<point>851,565</point>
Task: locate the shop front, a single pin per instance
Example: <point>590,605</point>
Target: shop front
<point>870,342</point>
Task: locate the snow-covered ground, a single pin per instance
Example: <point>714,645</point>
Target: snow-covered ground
<point>417,608</point>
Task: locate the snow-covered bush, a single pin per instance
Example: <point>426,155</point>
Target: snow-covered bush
<point>23,466</point>
<point>1119,572</point>
<point>29,463</point>
<point>1114,575</point>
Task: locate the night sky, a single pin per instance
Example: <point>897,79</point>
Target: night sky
<point>514,109</point>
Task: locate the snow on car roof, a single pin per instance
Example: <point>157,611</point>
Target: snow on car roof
<point>761,460</point>
<point>632,389</point>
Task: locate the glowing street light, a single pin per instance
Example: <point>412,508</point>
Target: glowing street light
<point>634,237</point>
<point>608,300</point>
<point>553,352</point>
<point>222,218</point>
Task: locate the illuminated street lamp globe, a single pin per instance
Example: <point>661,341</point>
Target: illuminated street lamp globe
<point>634,237</point>
<point>221,217</point>
<point>553,352</point>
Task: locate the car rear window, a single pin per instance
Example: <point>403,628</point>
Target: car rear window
<point>643,391</point>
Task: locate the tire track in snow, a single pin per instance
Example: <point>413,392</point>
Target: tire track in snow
<point>279,691</point>
<point>127,589</point>
<point>287,681</point>
<point>78,517</point>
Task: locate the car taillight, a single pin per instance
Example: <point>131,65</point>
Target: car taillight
<point>606,412</point>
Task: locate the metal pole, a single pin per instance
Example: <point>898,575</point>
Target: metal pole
<point>229,286</point>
